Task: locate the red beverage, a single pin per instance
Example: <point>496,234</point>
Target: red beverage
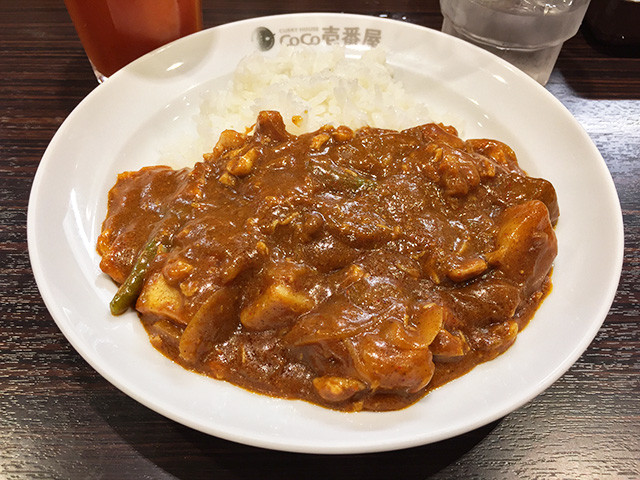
<point>116,32</point>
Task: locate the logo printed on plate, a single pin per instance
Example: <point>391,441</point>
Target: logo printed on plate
<point>330,35</point>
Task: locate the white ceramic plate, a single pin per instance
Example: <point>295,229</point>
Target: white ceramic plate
<point>121,125</point>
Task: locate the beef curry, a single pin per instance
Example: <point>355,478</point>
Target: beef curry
<point>356,270</point>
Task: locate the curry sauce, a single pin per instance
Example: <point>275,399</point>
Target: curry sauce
<point>352,269</point>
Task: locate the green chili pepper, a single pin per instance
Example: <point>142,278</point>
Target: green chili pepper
<point>131,287</point>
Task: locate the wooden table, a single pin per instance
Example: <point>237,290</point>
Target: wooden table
<point>60,419</point>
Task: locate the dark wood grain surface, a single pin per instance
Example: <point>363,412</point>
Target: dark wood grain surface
<point>60,419</point>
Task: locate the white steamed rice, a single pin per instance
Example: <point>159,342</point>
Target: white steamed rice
<point>320,86</point>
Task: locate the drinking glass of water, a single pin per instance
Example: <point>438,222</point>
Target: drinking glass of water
<point>527,33</point>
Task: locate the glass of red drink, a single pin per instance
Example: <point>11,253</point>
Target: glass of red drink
<point>116,32</point>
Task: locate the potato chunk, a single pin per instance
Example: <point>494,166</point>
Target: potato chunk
<point>275,308</point>
<point>526,244</point>
<point>161,299</point>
